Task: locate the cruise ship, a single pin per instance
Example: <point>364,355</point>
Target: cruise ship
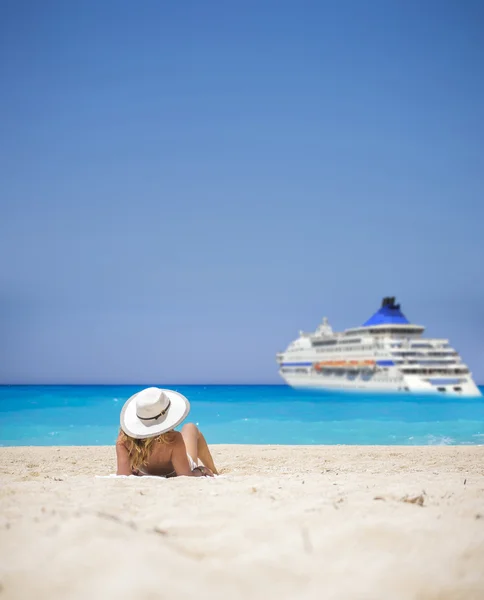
<point>386,353</point>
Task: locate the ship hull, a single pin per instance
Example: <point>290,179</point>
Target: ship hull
<point>380,383</point>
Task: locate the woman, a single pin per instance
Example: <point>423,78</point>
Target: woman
<point>147,443</point>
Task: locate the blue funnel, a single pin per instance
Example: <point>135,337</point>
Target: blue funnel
<point>389,314</point>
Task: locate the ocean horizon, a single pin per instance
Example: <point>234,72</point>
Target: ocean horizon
<point>71,415</point>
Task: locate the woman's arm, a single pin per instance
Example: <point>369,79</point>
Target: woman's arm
<point>179,460</point>
<point>122,456</point>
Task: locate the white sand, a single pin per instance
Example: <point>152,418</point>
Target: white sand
<point>283,522</point>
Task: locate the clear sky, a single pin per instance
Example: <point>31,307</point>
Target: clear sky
<point>185,185</point>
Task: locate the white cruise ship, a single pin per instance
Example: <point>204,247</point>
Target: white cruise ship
<point>387,353</point>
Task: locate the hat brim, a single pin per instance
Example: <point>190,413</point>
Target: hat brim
<point>133,426</point>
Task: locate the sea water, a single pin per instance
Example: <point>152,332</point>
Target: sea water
<point>89,415</point>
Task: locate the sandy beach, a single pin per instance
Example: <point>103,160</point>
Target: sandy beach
<point>285,522</point>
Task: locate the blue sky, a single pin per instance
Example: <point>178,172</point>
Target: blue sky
<point>185,185</point>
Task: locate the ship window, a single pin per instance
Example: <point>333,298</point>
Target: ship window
<point>458,389</point>
<point>441,389</point>
<point>324,342</point>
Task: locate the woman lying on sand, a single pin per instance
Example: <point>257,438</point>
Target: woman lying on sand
<point>147,443</point>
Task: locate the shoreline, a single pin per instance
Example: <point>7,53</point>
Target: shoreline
<point>446,456</point>
<point>338,522</point>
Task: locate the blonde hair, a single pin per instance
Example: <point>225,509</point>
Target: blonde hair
<point>139,451</point>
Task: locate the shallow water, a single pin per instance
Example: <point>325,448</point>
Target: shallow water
<point>89,415</point>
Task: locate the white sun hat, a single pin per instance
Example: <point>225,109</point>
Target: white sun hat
<point>153,411</point>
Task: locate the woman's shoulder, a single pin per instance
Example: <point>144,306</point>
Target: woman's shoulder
<point>174,441</point>
<point>175,437</point>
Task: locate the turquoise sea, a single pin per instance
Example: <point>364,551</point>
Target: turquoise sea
<point>89,415</point>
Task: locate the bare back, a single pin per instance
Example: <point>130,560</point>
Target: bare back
<point>166,458</point>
